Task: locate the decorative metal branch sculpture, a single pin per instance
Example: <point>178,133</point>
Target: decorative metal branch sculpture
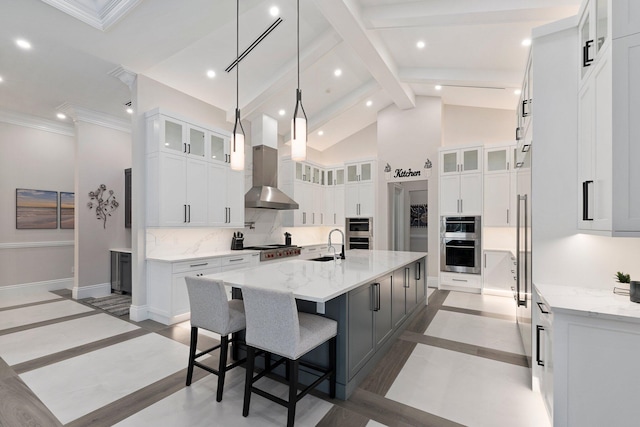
<point>104,205</point>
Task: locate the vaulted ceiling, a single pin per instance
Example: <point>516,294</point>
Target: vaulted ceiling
<point>472,49</point>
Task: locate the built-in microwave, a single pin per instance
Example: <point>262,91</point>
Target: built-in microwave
<point>460,244</point>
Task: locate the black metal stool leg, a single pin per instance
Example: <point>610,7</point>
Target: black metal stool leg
<point>332,366</point>
<point>192,353</point>
<point>293,392</point>
<point>222,367</point>
<point>248,382</point>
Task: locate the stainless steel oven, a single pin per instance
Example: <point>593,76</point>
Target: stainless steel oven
<point>460,244</point>
<point>359,233</point>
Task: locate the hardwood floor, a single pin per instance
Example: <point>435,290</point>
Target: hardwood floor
<point>369,405</point>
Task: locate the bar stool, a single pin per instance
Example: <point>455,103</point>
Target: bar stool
<point>274,325</point>
<point>211,310</point>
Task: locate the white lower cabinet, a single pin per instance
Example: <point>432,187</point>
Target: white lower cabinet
<point>461,194</point>
<point>167,289</point>
<point>498,272</point>
<point>460,280</point>
<point>585,362</point>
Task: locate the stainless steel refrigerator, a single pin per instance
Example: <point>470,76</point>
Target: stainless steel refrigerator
<point>522,291</point>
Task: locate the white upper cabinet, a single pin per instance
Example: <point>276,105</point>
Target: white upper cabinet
<point>608,186</point>
<point>189,179</point>
<point>499,186</point>
<point>360,189</point>
<point>461,181</point>
<point>461,161</point>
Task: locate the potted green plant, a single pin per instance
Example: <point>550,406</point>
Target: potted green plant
<point>634,286</point>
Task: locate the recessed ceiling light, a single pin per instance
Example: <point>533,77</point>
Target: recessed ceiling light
<point>438,87</point>
<point>274,11</point>
<point>23,44</point>
<point>420,44</point>
<point>129,110</point>
<point>517,92</point>
<point>369,103</point>
<point>61,116</point>
<point>282,112</point>
<point>337,72</point>
<point>320,132</point>
<point>211,74</point>
<point>526,42</point>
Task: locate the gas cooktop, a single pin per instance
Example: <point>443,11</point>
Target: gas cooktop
<point>272,252</point>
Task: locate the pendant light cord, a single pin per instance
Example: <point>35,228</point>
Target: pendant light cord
<point>298,34</point>
<point>238,53</point>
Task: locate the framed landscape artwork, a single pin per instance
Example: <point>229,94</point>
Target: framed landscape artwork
<point>36,209</point>
<point>67,212</point>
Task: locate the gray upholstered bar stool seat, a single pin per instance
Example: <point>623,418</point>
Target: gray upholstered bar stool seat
<point>211,310</point>
<point>275,326</point>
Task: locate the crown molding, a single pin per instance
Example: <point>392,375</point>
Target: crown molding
<point>38,123</point>
<point>124,74</point>
<point>91,13</point>
<point>82,114</point>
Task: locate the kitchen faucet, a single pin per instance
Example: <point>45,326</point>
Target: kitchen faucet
<point>329,244</point>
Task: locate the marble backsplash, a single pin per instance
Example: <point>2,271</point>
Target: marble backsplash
<point>267,229</point>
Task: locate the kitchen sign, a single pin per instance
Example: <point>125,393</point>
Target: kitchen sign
<point>402,173</point>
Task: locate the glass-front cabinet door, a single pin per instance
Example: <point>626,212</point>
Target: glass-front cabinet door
<point>299,171</point>
<point>366,172</point>
<point>218,148</point>
<point>172,135</point>
<point>339,179</point>
<point>196,142</point>
<point>602,24</point>
<point>471,160</point>
<point>352,173</point>
<point>330,177</point>
<point>450,162</point>
<point>586,43</point>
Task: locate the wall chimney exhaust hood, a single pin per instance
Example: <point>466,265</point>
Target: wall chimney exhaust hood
<point>264,194</point>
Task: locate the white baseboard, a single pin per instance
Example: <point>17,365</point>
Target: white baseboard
<point>138,313</point>
<point>35,287</point>
<point>92,291</point>
<point>460,289</point>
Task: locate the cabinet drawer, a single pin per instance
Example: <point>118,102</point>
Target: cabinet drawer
<point>197,264</point>
<point>235,261</point>
<point>461,280</point>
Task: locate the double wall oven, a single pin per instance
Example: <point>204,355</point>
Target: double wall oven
<point>460,244</point>
<point>359,233</point>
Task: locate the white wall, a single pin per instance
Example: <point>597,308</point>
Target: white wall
<point>360,145</point>
<point>39,160</point>
<point>103,154</point>
<point>471,125</point>
<point>406,139</point>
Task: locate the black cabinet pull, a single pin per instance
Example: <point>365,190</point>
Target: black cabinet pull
<point>518,133</point>
<point>418,271</point>
<point>189,213</point>
<point>525,113</point>
<point>586,61</point>
<point>542,310</point>
<point>538,330</point>
<point>185,213</point>
<point>585,201</point>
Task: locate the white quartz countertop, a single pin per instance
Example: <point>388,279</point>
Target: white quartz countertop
<point>589,302</point>
<point>192,257</point>
<point>320,281</point>
<point>124,250</point>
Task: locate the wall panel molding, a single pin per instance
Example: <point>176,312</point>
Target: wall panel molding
<point>29,245</point>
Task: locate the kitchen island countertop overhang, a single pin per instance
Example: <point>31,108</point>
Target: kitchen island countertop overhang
<point>321,281</point>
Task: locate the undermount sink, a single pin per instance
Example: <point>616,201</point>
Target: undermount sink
<point>323,259</point>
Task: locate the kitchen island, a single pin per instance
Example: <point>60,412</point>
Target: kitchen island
<point>371,294</point>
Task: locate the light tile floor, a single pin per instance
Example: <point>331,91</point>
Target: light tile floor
<point>460,387</point>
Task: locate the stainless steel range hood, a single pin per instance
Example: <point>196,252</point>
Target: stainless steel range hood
<point>264,194</point>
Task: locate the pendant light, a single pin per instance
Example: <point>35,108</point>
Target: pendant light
<point>299,121</point>
<point>237,148</point>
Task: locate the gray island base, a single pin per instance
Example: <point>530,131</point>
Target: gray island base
<point>372,295</point>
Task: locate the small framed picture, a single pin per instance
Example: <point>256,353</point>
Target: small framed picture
<point>36,209</point>
<point>67,210</point>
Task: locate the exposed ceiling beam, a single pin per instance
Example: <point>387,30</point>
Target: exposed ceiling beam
<point>320,47</point>
<point>499,79</point>
<point>335,109</point>
<point>465,12</point>
<point>345,19</point>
